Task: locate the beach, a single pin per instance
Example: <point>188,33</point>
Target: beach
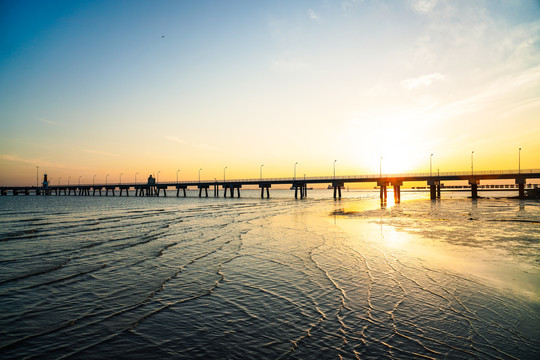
<point>275,278</point>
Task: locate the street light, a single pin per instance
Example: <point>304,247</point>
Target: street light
<point>225,168</point>
<point>260,171</point>
<point>335,169</point>
<point>200,175</point>
<point>430,161</point>
<point>519,161</point>
<point>93,180</point>
<point>157,180</point>
<point>295,170</point>
<point>136,177</point>
<point>80,180</point>
<point>106,179</point>
<point>177,175</point>
<point>68,180</point>
<point>37,175</point>
<point>59,180</point>
<point>121,178</point>
<point>380,167</point>
<point>472,163</point>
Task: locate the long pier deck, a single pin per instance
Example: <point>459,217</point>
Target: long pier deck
<point>300,185</point>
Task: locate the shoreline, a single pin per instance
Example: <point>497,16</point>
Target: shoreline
<point>493,267</point>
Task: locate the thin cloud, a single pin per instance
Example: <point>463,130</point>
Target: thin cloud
<point>288,63</point>
<point>423,6</point>
<point>421,81</point>
<point>312,15</point>
<point>99,152</point>
<point>46,121</point>
<point>40,162</point>
<point>350,5</point>
<point>175,139</point>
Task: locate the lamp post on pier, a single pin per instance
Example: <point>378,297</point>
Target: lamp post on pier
<point>472,163</point>
<point>136,177</point>
<point>519,161</point>
<point>157,179</point>
<point>225,168</point>
<point>430,162</point>
<point>177,175</point>
<point>260,172</point>
<point>335,169</point>
<point>59,180</point>
<point>295,170</point>
<point>121,178</point>
<point>380,167</point>
<point>200,175</point>
<point>80,180</point>
<point>94,180</point>
<point>37,175</point>
<point>68,179</point>
<point>106,179</point>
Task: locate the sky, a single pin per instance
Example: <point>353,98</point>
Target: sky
<point>93,88</point>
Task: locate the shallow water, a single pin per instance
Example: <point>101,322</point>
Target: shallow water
<point>275,278</point>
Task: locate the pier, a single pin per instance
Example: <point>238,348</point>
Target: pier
<point>232,188</point>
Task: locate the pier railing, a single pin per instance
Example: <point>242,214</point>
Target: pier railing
<point>285,180</point>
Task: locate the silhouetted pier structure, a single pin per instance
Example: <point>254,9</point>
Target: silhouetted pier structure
<point>232,187</point>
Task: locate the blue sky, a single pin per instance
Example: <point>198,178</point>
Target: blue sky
<point>92,88</point>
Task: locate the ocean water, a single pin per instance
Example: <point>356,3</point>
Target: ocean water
<point>103,277</point>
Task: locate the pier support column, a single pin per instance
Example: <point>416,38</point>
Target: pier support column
<point>383,191</point>
<point>474,188</point>
<point>205,188</point>
<point>432,192</point>
<point>521,185</point>
<point>263,187</point>
<point>397,190</point>
<point>183,187</point>
<point>299,186</point>
<point>337,189</point>
<point>434,189</point>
